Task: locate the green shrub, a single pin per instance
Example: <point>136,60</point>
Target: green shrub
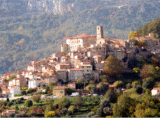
<point>71,109</point>
<point>51,114</point>
<point>16,95</point>
<point>28,103</point>
<point>36,98</point>
<point>63,112</point>
<point>90,114</point>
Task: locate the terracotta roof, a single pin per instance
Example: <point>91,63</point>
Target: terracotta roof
<point>65,38</point>
<point>97,55</point>
<point>82,36</point>
<point>61,70</point>
<point>157,88</point>
<point>76,69</point>
<point>11,111</point>
<point>111,86</point>
<point>59,88</point>
<point>8,74</point>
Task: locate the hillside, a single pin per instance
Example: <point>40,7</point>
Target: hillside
<point>28,37</point>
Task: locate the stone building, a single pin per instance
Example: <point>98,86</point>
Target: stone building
<point>62,74</point>
<point>64,47</point>
<point>74,74</point>
<point>59,91</point>
<point>80,41</point>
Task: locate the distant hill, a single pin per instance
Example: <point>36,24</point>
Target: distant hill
<point>38,35</point>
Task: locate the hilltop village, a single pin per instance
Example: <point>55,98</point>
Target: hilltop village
<point>81,57</point>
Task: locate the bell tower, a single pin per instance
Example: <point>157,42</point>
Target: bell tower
<point>99,32</point>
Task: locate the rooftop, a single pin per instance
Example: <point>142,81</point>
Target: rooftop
<point>59,88</point>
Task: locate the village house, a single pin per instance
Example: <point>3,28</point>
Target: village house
<point>75,62</point>
<point>62,74</point>
<point>34,83</point>
<point>155,91</point>
<point>72,85</point>
<point>75,73</point>
<point>149,40</point>
<point>48,80</point>
<point>6,76</point>
<point>62,66</point>
<point>80,41</point>
<point>22,82</point>
<point>87,68</point>
<point>65,59</point>
<point>13,91</point>
<point>59,91</point>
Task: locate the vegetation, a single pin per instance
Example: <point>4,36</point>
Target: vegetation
<point>112,67</point>
<point>24,38</point>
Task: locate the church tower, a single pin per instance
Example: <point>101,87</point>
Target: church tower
<point>99,32</point>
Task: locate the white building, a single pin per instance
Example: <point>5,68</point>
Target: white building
<point>34,83</point>
<point>14,82</point>
<point>14,90</point>
<point>155,91</point>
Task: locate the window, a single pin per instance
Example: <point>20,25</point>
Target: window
<point>61,91</point>
<point>54,92</point>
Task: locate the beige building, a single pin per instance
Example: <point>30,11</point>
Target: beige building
<point>72,85</point>
<point>59,91</point>
<point>87,68</point>
<point>80,41</point>
<point>62,66</point>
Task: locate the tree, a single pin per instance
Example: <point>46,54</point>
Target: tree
<point>102,87</point>
<point>128,86</point>
<point>36,98</point>
<point>80,83</point>
<point>111,96</point>
<point>78,101</point>
<point>51,85</point>
<point>133,34</point>
<point>16,108</point>
<point>148,83</point>
<point>28,103</point>
<point>64,103</point>
<point>12,77</point>
<point>135,84</point>
<point>148,71</point>
<point>112,67</point>
<point>105,108</point>
<point>124,107</point>
<point>118,84</point>
<point>91,88</point>
<point>136,70</point>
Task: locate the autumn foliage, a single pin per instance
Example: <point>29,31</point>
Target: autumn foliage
<point>113,67</point>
